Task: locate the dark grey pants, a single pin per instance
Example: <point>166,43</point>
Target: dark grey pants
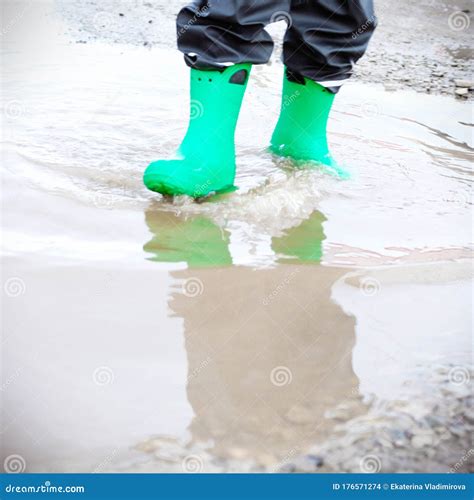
<point>323,40</point>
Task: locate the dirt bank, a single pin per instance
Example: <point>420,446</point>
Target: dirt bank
<point>423,45</point>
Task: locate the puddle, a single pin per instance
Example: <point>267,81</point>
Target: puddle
<point>234,334</point>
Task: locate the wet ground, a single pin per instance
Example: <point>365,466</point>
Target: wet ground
<point>301,323</point>
<point>425,46</point>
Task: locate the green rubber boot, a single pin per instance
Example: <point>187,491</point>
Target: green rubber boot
<point>205,161</point>
<point>300,133</point>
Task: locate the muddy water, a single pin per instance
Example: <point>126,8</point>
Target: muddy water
<point>233,334</point>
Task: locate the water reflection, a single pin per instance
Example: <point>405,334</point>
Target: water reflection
<point>195,240</point>
<point>269,351</point>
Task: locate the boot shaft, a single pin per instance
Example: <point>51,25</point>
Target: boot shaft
<point>301,128</point>
<point>216,99</point>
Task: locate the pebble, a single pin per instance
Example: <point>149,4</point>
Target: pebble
<point>468,84</point>
<point>462,92</point>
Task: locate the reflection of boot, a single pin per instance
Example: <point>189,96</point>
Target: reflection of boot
<point>303,243</point>
<point>196,241</point>
<point>301,129</point>
<point>206,157</point>
<point>269,353</point>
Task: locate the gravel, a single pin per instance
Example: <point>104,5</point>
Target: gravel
<point>424,46</point>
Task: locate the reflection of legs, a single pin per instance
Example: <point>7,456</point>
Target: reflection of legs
<point>303,243</point>
<point>196,241</point>
<point>269,353</point>
<point>322,44</point>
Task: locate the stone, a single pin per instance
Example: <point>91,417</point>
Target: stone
<point>421,440</point>
<point>462,92</point>
<point>468,84</point>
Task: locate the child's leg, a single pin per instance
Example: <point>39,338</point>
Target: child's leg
<point>220,40</point>
<point>217,32</point>
<point>327,37</point>
<point>324,41</point>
